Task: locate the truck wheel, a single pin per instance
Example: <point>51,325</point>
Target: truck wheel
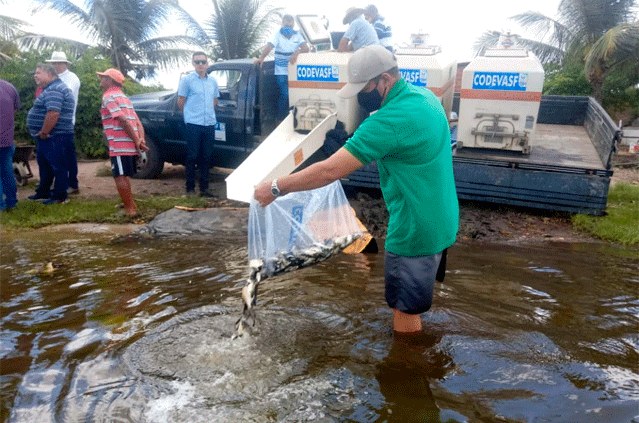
<point>149,164</point>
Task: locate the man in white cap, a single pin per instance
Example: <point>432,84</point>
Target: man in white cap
<point>61,64</point>
<point>409,139</point>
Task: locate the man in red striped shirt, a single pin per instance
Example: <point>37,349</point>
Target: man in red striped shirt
<point>124,132</point>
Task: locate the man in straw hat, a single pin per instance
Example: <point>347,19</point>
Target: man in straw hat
<point>61,65</point>
<point>124,132</point>
<point>359,34</point>
<point>409,139</point>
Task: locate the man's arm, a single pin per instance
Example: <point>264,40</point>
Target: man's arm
<point>180,102</point>
<point>317,175</point>
<point>302,48</point>
<point>136,137</point>
<point>50,120</point>
<point>265,51</point>
<point>344,45</point>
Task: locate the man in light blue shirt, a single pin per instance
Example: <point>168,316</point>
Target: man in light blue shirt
<point>359,34</point>
<point>198,95</point>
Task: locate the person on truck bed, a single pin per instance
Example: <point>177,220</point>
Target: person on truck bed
<point>288,43</point>
<point>359,34</point>
<point>384,32</point>
<point>198,95</point>
<point>409,139</point>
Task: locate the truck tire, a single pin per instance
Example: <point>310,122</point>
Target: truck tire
<point>149,164</point>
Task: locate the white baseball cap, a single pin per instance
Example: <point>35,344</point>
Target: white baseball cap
<point>365,64</point>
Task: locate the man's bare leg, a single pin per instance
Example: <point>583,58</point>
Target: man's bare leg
<point>123,185</point>
<point>406,323</point>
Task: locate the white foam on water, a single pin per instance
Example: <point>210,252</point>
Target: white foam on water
<point>163,408</point>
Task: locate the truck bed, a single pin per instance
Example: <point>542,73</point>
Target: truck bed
<point>557,145</point>
<point>568,170</point>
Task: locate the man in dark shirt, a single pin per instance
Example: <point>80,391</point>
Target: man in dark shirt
<point>9,104</point>
<point>50,123</point>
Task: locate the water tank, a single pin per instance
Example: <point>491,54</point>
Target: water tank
<point>313,82</point>
<point>499,100</point>
<point>426,66</point>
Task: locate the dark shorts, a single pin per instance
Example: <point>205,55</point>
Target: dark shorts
<point>122,166</point>
<point>410,281</point>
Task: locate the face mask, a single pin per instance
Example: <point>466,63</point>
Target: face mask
<point>287,31</point>
<point>370,101</point>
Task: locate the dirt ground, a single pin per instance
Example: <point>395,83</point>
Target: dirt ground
<point>483,222</point>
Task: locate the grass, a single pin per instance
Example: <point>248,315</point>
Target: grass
<point>33,214</point>
<point>621,222</point>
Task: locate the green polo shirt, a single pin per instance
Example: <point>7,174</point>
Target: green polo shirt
<point>409,138</point>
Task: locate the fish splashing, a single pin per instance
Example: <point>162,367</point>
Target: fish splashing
<point>284,261</point>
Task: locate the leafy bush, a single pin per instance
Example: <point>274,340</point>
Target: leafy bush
<point>566,81</point>
<point>89,139</point>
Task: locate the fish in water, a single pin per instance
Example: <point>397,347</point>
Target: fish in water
<point>285,261</point>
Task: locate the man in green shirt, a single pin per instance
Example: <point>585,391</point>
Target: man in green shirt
<point>409,138</point>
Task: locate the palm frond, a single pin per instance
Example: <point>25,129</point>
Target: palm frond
<point>40,42</point>
<point>11,28</point>
<point>546,29</point>
<point>617,46</point>
<point>75,14</point>
<point>239,26</point>
<point>485,40</point>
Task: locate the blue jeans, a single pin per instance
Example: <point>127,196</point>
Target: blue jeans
<point>52,163</point>
<point>8,188</point>
<point>72,163</point>
<point>199,152</point>
<point>282,101</point>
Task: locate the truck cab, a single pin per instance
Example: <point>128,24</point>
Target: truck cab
<point>245,116</point>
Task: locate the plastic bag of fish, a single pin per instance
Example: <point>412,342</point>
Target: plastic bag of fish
<point>295,231</point>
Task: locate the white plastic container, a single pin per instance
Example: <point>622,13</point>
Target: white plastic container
<point>313,82</point>
<point>426,66</point>
<point>499,100</point>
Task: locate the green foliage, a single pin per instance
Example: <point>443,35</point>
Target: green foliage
<point>566,81</point>
<point>620,93</point>
<point>620,223</point>
<point>89,138</point>
<point>238,27</point>
<point>129,32</point>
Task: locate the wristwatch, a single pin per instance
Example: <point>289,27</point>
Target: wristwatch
<point>275,190</point>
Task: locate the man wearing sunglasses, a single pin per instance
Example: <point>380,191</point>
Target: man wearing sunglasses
<point>198,95</point>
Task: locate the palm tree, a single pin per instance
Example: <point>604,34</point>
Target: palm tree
<point>127,31</point>
<point>10,30</point>
<point>239,26</point>
<point>618,48</point>
<point>571,37</point>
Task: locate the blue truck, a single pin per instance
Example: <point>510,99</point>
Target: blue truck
<point>568,171</point>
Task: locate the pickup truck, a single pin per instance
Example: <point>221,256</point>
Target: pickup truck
<point>245,114</point>
<point>568,171</point>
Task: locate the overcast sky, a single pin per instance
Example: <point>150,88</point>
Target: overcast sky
<point>453,25</point>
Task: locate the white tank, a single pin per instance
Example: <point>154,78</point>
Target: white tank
<point>313,82</point>
<point>499,99</point>
<point>426,66</point>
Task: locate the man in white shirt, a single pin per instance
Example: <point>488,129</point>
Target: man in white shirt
<point>288,43</point>
<point>71,80</point>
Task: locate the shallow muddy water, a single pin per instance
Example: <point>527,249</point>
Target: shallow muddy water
<point>139,330</point>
